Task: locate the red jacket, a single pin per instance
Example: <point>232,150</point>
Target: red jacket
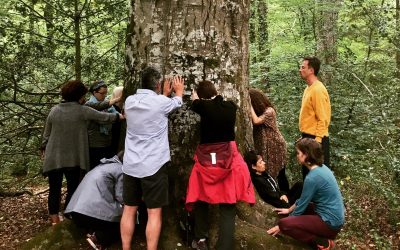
<point>221,185</point>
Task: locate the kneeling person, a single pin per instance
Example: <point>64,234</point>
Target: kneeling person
<point>318,215</point>
<point>97,203</point>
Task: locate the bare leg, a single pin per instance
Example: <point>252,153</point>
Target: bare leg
<point>54,219</point>
<point>128,221</point>
<point>153,227</point>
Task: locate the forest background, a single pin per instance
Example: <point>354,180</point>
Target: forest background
<point>43,43</point>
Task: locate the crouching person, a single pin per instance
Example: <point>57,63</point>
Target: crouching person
<point>318,215</point>
<point>267,187</point>
<point>96,205</point>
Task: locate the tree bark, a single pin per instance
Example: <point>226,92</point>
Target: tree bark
<point>48,14</point>
<point>397,43</point>
<point>199,39</point>
<point>326,35</point>
<point>77,32</point>
<point>263,45</point>
<point>263,29</point>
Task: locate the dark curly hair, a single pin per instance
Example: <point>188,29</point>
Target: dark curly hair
<point>312,149</point>
<point>206,90</point>
<point>73,90</point>
<point>259,101</point>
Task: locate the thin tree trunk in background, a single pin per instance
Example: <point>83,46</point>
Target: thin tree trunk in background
<point>32,20</point>
<point>370,42</point>
<point>77,31</point>
<point>303,23</point>
<point>263,29</point>
<point>253,29</point>
<point>397,43</point>
<point>263,45</point>
<point>48,13</point>
<point>326,35</point>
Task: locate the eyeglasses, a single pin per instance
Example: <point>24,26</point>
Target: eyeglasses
<point>102,93</point>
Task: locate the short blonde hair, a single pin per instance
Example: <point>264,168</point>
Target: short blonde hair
<point>117,92</point>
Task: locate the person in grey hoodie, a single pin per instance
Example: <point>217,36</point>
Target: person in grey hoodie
<point>65,146</point>
<point>97,202</point>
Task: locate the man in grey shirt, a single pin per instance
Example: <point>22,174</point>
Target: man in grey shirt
<point>147,153</point>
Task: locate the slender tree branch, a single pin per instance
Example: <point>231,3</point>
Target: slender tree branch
<point>67,14</point>
<point>102,9</point>
<point>98,59</point>
<point>366,87</point>
<point>45,19</point>
<point>14,194</point>
<point>42,36</point>
<point>103,30</point>
<point>28,103</point>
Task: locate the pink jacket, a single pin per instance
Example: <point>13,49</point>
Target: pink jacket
<point>221,185</point>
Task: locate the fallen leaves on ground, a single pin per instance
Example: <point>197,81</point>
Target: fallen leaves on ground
<point>21,218</point>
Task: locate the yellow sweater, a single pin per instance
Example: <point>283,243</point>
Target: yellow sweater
<point>315,112</point>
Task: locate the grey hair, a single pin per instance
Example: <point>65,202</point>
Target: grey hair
<point>150,77</point>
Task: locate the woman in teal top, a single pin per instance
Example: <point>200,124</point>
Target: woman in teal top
<point>318,215</point>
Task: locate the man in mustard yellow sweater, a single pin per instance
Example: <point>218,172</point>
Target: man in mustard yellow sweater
<point>315,112</point>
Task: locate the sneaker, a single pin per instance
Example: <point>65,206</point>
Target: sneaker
<point>331,244</point>
<point>200,244</point>
<point>92,240</point>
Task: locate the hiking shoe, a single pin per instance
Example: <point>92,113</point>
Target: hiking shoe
<point>92,240</point>
<point>200,244</point>
<point>331,244</point>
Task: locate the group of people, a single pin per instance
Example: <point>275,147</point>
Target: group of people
<point>74,136</point>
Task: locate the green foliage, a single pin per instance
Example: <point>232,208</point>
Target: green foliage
<point>365,127</point>
<point>38,47</point>
<point>38,44</point>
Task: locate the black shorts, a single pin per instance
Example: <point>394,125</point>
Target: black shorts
<point>153,190</point>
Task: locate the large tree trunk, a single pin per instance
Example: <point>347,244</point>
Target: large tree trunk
<point>199,39</point>
<point>326,35</point>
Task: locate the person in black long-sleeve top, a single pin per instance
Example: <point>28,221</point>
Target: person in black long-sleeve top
<point>267,187</point>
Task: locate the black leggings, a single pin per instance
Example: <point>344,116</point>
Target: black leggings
<point>106,232</point>
<point>55,183</point>
<point>226,231</point>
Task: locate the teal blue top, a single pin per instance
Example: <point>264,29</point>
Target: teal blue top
<point>321,188</point>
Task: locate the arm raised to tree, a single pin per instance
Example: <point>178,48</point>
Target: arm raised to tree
<point>100,106</point>
<point>257,120</point>
<point>178,85</point>
<point>167,87</point>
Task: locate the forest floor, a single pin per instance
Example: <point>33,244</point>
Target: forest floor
<point>22,217</point>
